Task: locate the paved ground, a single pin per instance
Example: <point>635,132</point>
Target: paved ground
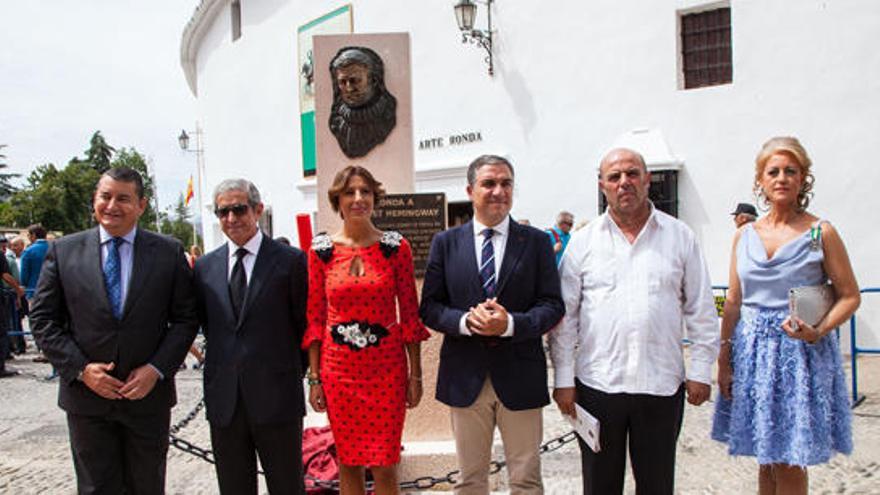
<point>35,456</point>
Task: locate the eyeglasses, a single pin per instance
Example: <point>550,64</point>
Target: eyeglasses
<point>238,210</point>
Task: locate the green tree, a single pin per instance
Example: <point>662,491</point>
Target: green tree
<point>99,153</point>
<point>6,187</point>
<point>58,199</point>
<point>179,225</point>
<point>61,199</point>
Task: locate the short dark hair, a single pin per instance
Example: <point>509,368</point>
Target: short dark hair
<point>127,174</point>
<point>485,160</point>
<point>37,230</point>
<point>340,182</point>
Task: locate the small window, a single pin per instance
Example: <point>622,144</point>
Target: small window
<point>705,48</point>
<point>235,14</point>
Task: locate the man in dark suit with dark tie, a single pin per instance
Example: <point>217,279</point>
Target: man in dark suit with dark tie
<point>252,304</point>
<point>114,312</point>
<point>492,288</point>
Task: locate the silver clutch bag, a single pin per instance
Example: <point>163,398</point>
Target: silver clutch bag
<point>810,303</point>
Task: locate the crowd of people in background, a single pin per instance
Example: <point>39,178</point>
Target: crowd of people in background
<point>21,265</point>
<point>116,308</point>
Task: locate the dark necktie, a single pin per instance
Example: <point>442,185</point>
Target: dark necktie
<point>238,282</point>
<point>113,276</point>
<point>487,266</point>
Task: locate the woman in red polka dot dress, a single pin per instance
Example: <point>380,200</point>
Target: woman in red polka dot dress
<point>364,360</point>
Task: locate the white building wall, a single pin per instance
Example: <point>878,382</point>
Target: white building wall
<point>571,77</point>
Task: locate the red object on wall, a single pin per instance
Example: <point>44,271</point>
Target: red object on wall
<point>304,229</point>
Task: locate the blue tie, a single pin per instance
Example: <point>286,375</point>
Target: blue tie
<point>487,264</point>
<point>113,276</point>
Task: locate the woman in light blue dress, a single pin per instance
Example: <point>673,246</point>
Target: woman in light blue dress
<point>783,394</point>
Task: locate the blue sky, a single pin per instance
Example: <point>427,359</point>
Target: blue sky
<point>71,67</point>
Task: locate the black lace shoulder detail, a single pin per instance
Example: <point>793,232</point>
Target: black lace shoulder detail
<point>322,245</point>
<point>390,242</point>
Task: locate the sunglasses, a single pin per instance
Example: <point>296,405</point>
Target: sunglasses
<point>238,210</point>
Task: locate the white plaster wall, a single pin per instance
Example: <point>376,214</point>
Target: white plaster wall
<point>572,76</point>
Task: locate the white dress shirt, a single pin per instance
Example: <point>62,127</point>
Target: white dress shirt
<point>627,307</point>
<point>499,243</point>
<point>126,258</point>
<point>253,247</point>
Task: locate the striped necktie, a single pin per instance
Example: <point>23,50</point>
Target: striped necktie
<point>487,264</point>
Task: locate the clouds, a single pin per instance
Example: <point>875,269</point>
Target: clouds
<point>70,68</point>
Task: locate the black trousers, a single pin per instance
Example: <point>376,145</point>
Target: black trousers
<point>648,423</point>
<point>236,447</point>
<point>119,452</point>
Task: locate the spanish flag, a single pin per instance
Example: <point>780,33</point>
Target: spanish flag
<point>189,191</point>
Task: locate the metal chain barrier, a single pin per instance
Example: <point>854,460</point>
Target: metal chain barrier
<point>421,483</point>
<point>189,417</point>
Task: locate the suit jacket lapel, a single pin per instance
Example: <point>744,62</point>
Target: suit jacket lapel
<point>94,267</point>
<point>262,269</point>
<point>218,276</point>
<point>471,269</point>
<point>143,253</point>
<point>513,251</point>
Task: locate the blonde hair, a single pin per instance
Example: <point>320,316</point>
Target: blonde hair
<point>791,147</point>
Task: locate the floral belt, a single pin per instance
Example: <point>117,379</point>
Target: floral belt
<point>358,334</point>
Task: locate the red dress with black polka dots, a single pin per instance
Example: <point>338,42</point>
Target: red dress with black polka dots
<point>353,312</point>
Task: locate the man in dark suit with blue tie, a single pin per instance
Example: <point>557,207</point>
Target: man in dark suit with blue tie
<point>492,288</point>
<point>114,312</point>
<point>252,302</point>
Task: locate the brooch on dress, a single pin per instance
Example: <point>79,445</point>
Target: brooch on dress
<point>390,242</point>
<point>322,245</point>
<point>358,334</point>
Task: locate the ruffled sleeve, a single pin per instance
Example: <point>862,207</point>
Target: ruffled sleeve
<point>316,311</point>
<point>407,300</point>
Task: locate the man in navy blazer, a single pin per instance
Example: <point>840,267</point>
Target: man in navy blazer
<point>492,288</point>
<point>251,296</point>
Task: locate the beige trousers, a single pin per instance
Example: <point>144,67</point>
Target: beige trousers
<point>521,434</point>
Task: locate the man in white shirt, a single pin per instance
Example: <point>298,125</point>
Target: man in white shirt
<point>632,281</point>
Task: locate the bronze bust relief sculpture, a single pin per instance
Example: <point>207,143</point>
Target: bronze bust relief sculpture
<point>363,112</point>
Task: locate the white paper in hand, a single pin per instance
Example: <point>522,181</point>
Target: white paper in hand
<point>586,426</point>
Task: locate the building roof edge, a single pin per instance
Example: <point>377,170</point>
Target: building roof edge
<point>192,37</point>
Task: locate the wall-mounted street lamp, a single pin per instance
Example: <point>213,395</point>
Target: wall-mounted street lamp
<point>465,14</point>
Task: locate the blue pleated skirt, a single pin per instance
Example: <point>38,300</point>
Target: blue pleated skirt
<point>790,403</point>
